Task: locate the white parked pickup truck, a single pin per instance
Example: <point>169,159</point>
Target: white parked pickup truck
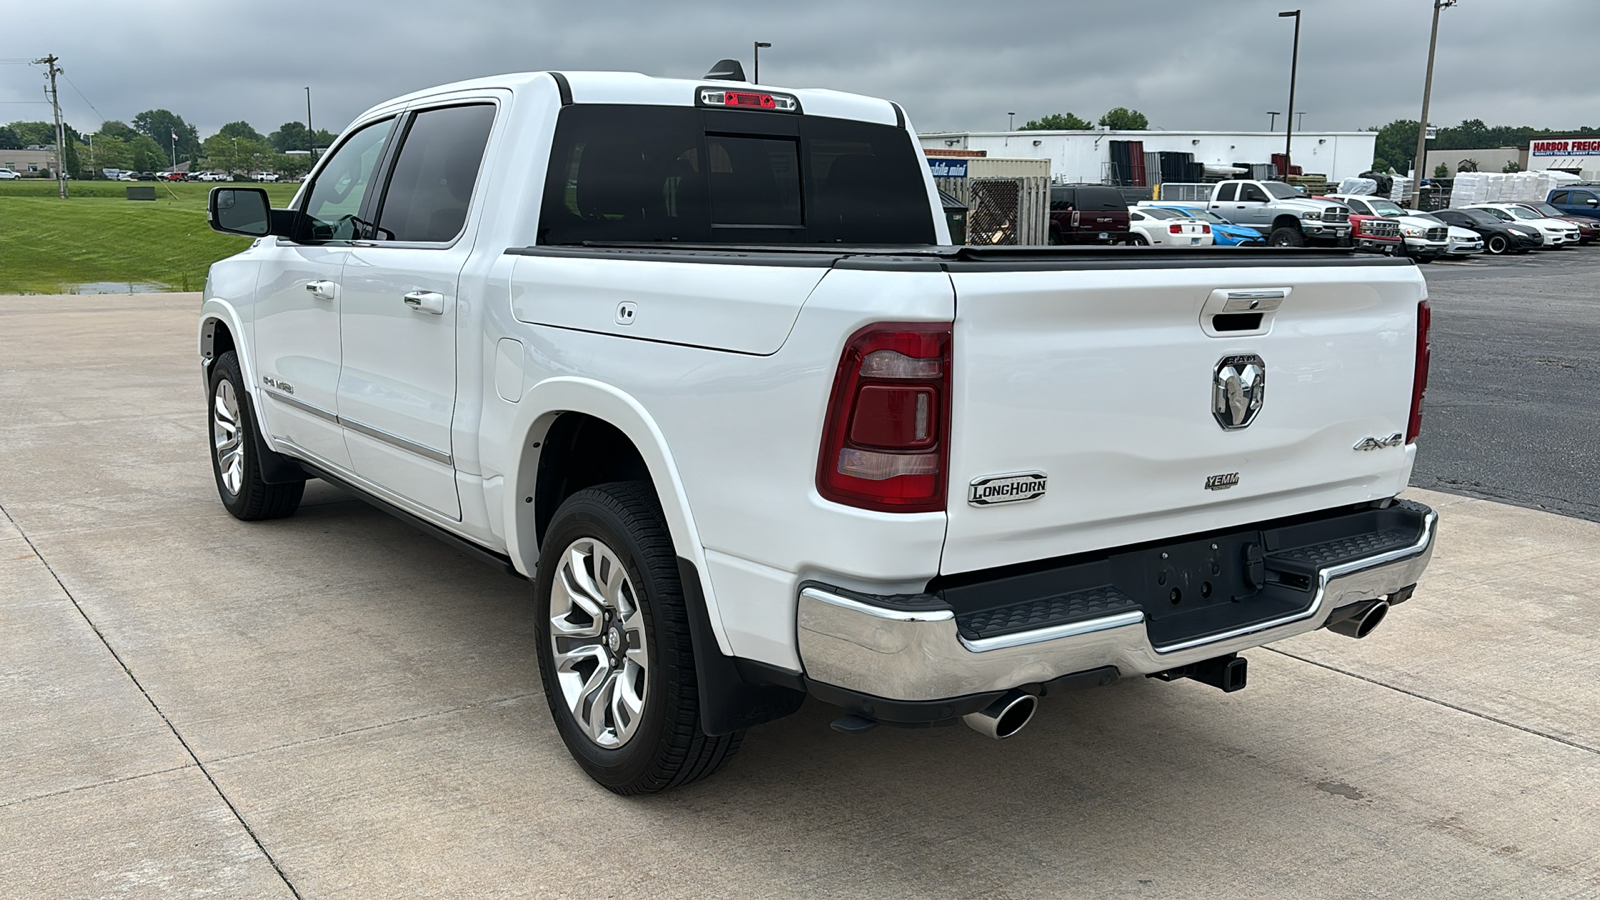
<point>697,360</point>
<point>1283,215</point>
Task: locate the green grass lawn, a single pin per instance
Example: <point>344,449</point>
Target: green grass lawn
<point>48,245</point>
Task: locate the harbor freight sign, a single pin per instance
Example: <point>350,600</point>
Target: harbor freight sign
<point>948,168</point>
<point>1583,147</point>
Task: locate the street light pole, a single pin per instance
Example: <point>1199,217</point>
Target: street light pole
<point>1294,69</point>
<point>1011,121</point>
<point>1273,122</point>
<point>759,45</point>
<point>311,136</point>
<point>1427,93</point>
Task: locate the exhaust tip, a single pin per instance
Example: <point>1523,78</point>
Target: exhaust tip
<point>1360,621</point>
<point>1004,717</point>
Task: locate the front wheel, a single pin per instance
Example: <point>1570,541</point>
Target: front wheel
<point>244,492</point>
<point>1498,244</point>
<point>615,653</point>
<point>1286,237</point>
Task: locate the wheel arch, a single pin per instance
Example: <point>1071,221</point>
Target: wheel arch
<point>588,404</point>
<point>1284,220</point>
<point>222,329</point>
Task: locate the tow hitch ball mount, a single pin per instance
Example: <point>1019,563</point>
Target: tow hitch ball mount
<point>1226,672</point>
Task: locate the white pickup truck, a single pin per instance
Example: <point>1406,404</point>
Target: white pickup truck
<point>1283,215</point>
<point>696,358</point>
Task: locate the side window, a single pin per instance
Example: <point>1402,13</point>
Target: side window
<point>1249,193</point>
<point>1559,198</point>
<point>434,173</point>
<point>1360,208</point>
<point>335,200</point>
<point>1227,192</point>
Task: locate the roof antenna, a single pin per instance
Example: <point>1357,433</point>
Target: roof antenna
<point>726,70</point>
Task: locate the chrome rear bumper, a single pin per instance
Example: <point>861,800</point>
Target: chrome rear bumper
<point>899,653</point>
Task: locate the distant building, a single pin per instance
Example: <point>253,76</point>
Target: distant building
<point>1486,160</point>
<point>1086,156</point>
<point>1577,155</point>
<point>32,161</point>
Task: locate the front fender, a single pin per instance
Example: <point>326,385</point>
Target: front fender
<point>539,408</point>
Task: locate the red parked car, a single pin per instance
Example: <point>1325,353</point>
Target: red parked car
<point>1087,214</point>
<point>1374,233</point>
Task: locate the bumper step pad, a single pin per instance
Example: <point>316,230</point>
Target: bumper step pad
<point>1029,615</point>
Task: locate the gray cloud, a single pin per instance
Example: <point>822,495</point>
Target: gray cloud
<point>1187,64</point>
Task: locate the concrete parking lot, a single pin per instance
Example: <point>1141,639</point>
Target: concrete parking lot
<point>334,705</point>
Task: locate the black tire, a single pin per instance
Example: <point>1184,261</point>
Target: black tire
<point>1497,244</point>
<point>241,488</point>
<point>1286,237</point>
<point>666,749</point>
<point>1055,235</point>
<point>1138,240</point>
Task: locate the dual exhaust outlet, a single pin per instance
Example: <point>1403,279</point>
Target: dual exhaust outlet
<point>1014,710</point>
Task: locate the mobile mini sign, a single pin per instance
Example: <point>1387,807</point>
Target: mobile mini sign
<point>1567,148</point>
<point>948,168</point>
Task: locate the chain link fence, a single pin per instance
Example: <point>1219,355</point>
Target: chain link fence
<point>995,207</point>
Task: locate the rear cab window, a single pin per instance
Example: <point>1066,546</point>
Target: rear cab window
<point>646,174</point>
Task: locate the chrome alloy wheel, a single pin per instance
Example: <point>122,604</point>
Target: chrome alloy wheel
<point>227,436</point>
<point>598,638</point>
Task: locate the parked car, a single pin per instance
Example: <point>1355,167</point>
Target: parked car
<point>1577,200</point>
<point>8,175</point>
<point>1588,229</point>
<point>735,479</point>
<point>1556,233</point>
<point>1424,241</point>
<point>127,176</point>
<point>1167,228</point>
<point>266,176</point>
<point>1499,236</point>
<point>1225,233</point>
<point>145,176</point>
<point>1087,214</point>
<point>1375,234</point>
<point>1462,241</point>
<point>1280,212</point>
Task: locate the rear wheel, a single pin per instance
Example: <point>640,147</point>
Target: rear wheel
<point>1497,244</point>
<point>1138,240</point>
<point>614,648</point>
<point>233,451</point>
<point>1286,237</point>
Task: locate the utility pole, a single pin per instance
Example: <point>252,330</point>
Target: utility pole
<point>1427,93</point>
<point>311,136</point>
<point>51,70</point>
<point>1294,68</point>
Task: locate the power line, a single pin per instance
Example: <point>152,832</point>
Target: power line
<point>81,94</point>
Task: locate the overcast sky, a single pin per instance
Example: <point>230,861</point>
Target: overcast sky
<point>1187,64</point>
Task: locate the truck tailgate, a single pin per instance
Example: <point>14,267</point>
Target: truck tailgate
<point>1102,380</point>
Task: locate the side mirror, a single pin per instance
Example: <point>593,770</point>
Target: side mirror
<point>243,211</point>
<point>1592,202</point>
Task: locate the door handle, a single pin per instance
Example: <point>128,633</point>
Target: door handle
<point>430,302</point>
<point>322,290</point>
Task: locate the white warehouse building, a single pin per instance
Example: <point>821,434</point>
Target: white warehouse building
<point>1085,156</point>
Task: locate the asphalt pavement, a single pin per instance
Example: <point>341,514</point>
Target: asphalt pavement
<point>1513,403</point>
<point>337,706</point>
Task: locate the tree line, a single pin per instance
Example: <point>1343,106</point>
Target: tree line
<point>1397,141</point>
<point>1118,119</point>
<point>157,137</point>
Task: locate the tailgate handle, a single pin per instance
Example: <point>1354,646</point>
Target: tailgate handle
<point>1253,301</point>
<point>1238,312</point>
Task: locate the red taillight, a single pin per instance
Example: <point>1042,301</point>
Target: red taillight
<point>886,442</point>
<point>1419,377</point>
<point>1205,229</point>
<point>747,98</point>
<point>1175,229</point>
